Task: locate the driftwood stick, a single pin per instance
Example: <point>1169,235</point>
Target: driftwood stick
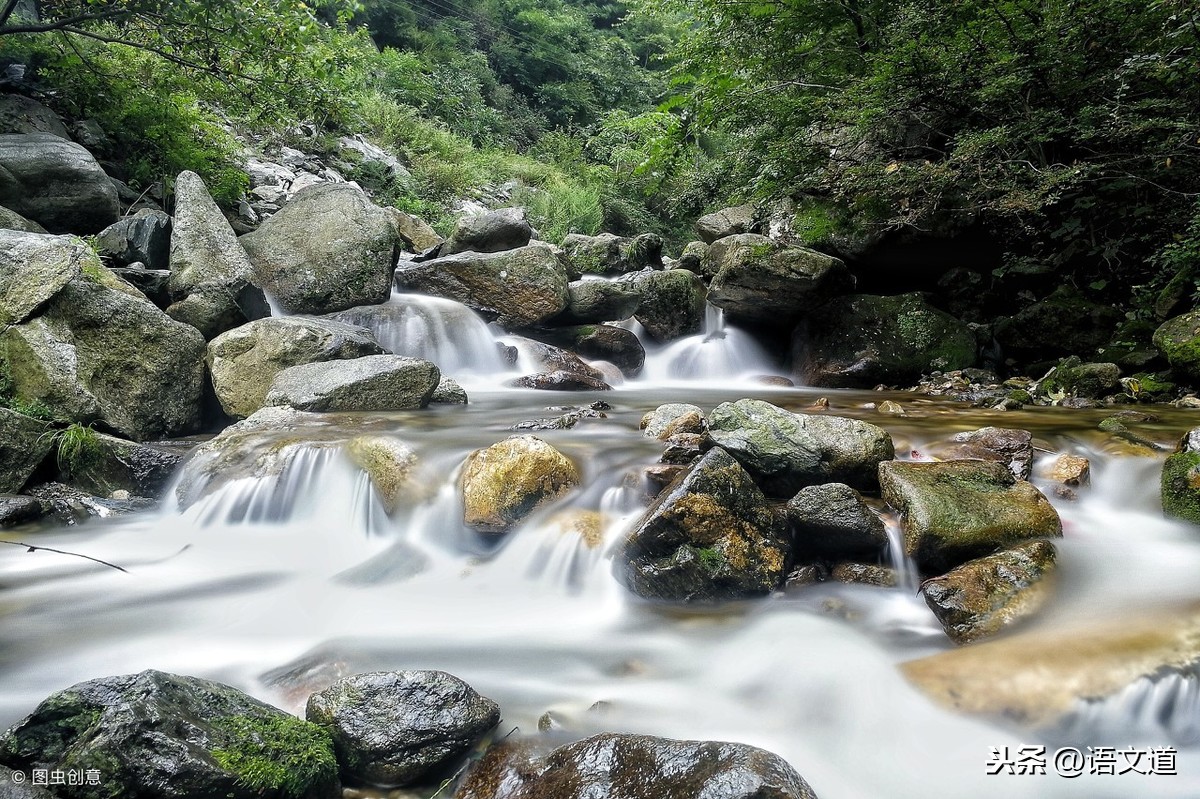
<point>35,548</point>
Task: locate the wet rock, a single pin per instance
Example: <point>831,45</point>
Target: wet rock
<point>155,284</point>
<point>1065,323</point>
<point>1180,482</point>
<point>955,511</point>
<point>212,281</point>
<point>616,345</point>
<point>806,574</point>
<point>156,734</point>
<point>370,383</point>
<point>143,238</point>
<point>674,417</point>
<point>33,268</point>
<point>861,341</point>
<point>1086,380</point>
<point>1178,340</point>
<point>555,359</point>
<point>1118,429</point>
<point>710,536</point>
<point>622,766</point>
<point>520,287</point>
<point>448,392</point>
<point>1013,448</point>
<point>11,220</point>
<point>608,254</point>
<point>759,281</point>
<point>786,451</point>
<point>890,408</point>
<point>984,596</point>
<point>831,522</point>
<point>865,574</point>
<point>329,249</point>
<point>726,222</point>
<point>661,475</point>
<point>55,183</point>
<point>593,301</point>
<point>390,464</point>
<point>1071,470</point>
<point>20,787</point>
<point>683,448</point>
<point>69,505</point>
<point>415,232</point>
<point>401,727</point>
<point>495,231</point>
<point>506,482</point>
<point>14,510</point>
<point>108,464</point>
<point>673,303</point>
<point>244,361</point>
<point>693,256</point>
<point>560,380</point>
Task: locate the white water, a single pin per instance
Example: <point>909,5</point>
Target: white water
<point>718,353</point>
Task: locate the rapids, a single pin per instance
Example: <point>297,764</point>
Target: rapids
<point>279,585</point>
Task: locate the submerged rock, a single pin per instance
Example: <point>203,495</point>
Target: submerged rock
<point>401,727</point>
<point>162,735</point>
<point>370,383</point>
<point>709,536</point>
<point>832,522</point>
<point>955,511</point>
<point>495,231</point>
<point>673,303</point>
<point>622,766</point>
<point>389,462</point>
<point>56,183</point>
<point>983,596</point>
<point>504,483</point>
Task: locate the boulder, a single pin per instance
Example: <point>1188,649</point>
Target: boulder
<point>608,254</point>
<point>954,511</point>
<point>329,249</point>
<point>448,392</point>
<point>592,301</point>
<point>692,258</point>
<point>1180,482</point>
<point>370,383</point>
<point>709,536</point>
<point>162,735</point>
<point>244,361</point>
<point>673,418</point>
<point>560,380</point>
<point>623,766</point>
<point>862,340</point>
<point>34,267</point>
<point>1070,470</point>
<point>831,522</point>
<point>1013,448</point>
<point>145,237</point>
<point>495,231</point>
<point>673,303</point>
<point>1065,323</point>
<point>55,183</point>
<point>101,354</point>
<point>11,220</point>
<point>390,463</point>
<point>504,483</point>
<point>1076,379</point>
<point>786,451</point>
<point>986,595</point>
<point>758,281</point>
<point>726,222</point>
<point>1178,340</point>
<point>24,444</point>
<point>556,359</point>
<point>616,345</point>
<point>155,284</point>
<point>14,510</point>
<point>415,232</point>
<point>401,727</point>
<point>212,281</point>
<point>21,114</point>
<point>107,464</point>
<point>518,288</point>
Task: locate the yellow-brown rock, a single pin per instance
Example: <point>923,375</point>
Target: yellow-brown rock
<point>504,483</point>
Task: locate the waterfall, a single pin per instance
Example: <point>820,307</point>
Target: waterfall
<point>718,352</point>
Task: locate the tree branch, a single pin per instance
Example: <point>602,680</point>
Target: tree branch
<point>33,548</point>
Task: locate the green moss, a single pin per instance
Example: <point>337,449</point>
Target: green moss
<point>711,560</point>
<point>281,754</point>
<point>1181,486</point>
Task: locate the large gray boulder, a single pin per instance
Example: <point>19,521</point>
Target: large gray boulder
<point>212,280</point>
<point>709,536</point>
<point>103,353</point>
<point>622,766</point>
<point>327,250</point>
<point>495,231</point>
<point>862,340</point>
<point>673,303</point>
<point>11,220</point>
<point>756,280</point>
<point>831,522</point>
<point>415,232</point>
<point>371,383</point>
<point>504,483</point>
<point>520,287</point>
<point>955,511</point>
<point>21,114</point>
<point>786,451</point>
<point>161,735</point>
<point>244,361</point>
<point>145,237</point>
<point>398,728</point>
<point>33,268</point>
<point>593,301</point>
<point>55,183</point>
<point>725,222</point>
<point>1179,485</point>
<point>24,444</point>
<point>608,254</point>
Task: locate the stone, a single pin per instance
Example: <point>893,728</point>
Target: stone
<point>415,232</point>
<point>831,522</point>
<point>55,183</point>
<point>1064,323</point>
<point>989,594</point>
<point>756,280</point>
<point>673,303</point>
<point>155,284</point>
<point>555,359</point>
<point>212,284</point>
<point>495,231</point>
<point>390,464</point>
<point>103,353</point>
<point>786,451</point>
<point>593,301</point>
<point>861,341</point>
<point>20,787</point>
<point>1087,380</point>
<point>1013,448</point>
<point>725,222</point>
<point>24,444</point>
<point>625,766</point>
<point>244,361</point>
<point>34,267</point>
<point>329,249</point>
<point>692,257</point>
<point>709,536</point>
<point>518,288</point>
<point>370,383</point>
<point>163,735</point>
<point>1180,481</point>
<point>144,238</point>
<point>402,727</point>
<point>955,511</point>
<point>607,254</point>
<point>871,574</point>
<point>1071,470</point>
<point>1178,339</point>
<point>560,380</point>
<point>16,510</point>
<point>11,220</point>
<point>616,345</point>
<point>683,448</point>
<point>21,114</point>
<point>448,392</point>
<point>108,464</point>
<point>504,483</point>
<point>671,418</point>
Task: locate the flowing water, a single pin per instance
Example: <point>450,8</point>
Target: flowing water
<point>281,584</point>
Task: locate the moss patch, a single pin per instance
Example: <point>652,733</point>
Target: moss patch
<point>1181,486</point>
<point>281,754</point>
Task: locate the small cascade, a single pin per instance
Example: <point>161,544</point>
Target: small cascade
<point>907,578</point>
<point>1165,707</point>
<point>718,352</point>
<point>442,331</point>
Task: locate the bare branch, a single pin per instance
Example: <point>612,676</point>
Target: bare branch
<point>34,548</point>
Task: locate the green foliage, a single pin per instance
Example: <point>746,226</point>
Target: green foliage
<point>562,207</point>
<point>281,755</point>
<point>77,448</point>
<point>711,560</point>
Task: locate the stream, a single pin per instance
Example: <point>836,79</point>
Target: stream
<point>280,585</point>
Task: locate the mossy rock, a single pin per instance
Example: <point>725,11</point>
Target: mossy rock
<point>1179,340</point>
<point>1180,486</point>
<point>503,484</point>
<point>1077,379</point>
